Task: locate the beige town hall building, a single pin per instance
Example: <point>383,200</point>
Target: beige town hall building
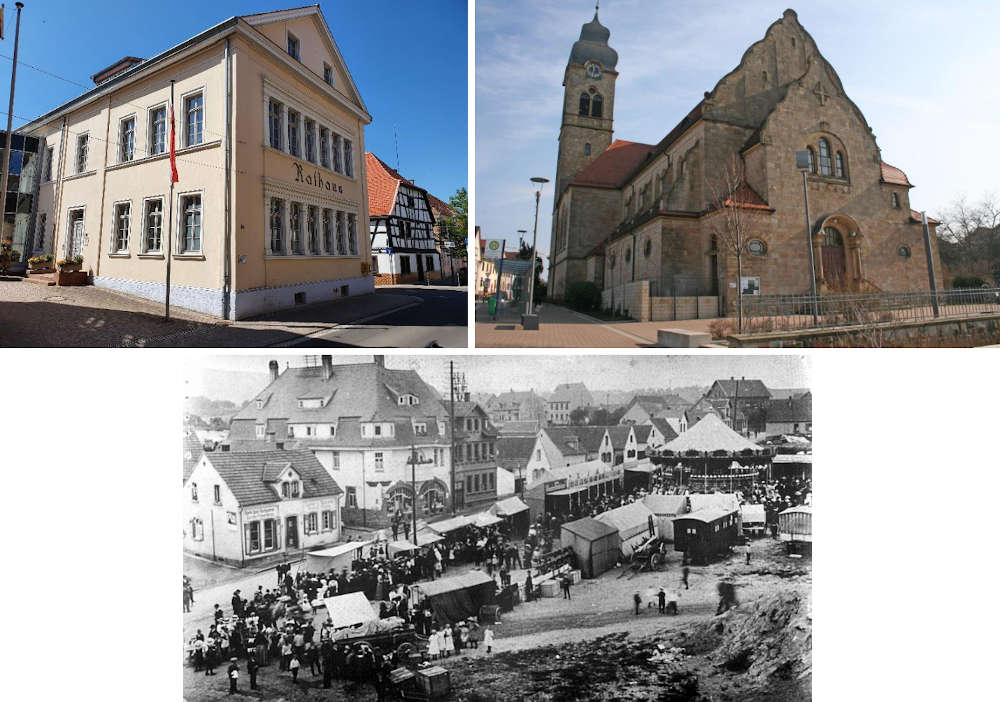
<point>641,220</point>
<point>271,209</point>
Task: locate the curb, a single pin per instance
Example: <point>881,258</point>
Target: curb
<point>362,320</point>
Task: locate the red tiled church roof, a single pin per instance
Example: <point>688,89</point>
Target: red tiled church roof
<point>891,174</point>
<point>612,168</point>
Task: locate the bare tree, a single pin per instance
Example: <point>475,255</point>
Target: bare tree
<point>736,222</point>
<point>969,237</point>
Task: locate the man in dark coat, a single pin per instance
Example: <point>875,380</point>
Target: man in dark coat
<point>684,577</point>
<point>252,670</point>
<point>528,588</point>
<point>326,656</point>
<point>233,673</point>
<point>237,604</point>
<point>637,600</point>
<point>661,598</point>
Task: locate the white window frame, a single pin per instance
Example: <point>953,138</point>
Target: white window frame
<point>259,430</point>
<point>150,140</point>
<point>185,136</point>
<point>328,75</point>
<point>116,248</point>
<point>122,156</point>
<point>83,137</point>
<point>179,250</point>
<point>379,461</point>
<point>282,112</point>
<point>145,215</point>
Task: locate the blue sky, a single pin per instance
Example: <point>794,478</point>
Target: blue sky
<point>408,59</point>
<point>923,73</point>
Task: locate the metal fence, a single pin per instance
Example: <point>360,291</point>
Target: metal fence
<point>769,313</point>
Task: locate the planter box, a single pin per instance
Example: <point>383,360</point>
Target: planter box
<point>70,268</point>
<point>68,278</point>
<point>43,268</point>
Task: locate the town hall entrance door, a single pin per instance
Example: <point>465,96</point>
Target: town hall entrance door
<point>292,532</point>
<point>834,260</point>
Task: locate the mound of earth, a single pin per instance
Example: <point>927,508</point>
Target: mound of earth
<point>762,650</point>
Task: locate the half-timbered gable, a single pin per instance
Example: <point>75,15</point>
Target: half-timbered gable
<point>404,248</point>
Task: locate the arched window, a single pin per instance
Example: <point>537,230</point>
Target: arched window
<point>595,110</point>
<point>824,158</point>
<point>839,165</point>
<point>895,201</point>
<point>584,104</point>
<point>812,159</point>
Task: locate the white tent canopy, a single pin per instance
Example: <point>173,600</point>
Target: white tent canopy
<point>336,557</point>
<point>349,610</point>
<point>632,522</point>
<point>485,519</point>
<point>710,434</point>
<point>446,525</point>
<point>509,506</point>
<point>753,514</point>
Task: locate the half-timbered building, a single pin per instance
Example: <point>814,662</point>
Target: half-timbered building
<point>404,248</point>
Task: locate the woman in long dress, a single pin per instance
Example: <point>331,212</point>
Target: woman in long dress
<point>447,646</point>
<point>433,648</point>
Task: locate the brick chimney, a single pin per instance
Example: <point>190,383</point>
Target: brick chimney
<point>273,367</point>
<point>327,367</point>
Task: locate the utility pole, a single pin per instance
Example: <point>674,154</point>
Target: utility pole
<point>413,486</point>
<point>10,114</point>
<point>451,453</point>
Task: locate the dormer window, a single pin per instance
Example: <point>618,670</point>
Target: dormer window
<point>290,489</point>
<point>260,404</point>
<point>311,403</point>
<point>408,400</point>
<point>293,46</point>
<point>194,492</point>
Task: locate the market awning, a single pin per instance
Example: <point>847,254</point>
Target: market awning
<point>805,458</point>
<point>400,545</point>
<point>425,537</point>
<point>508,506</point>
<point>485,519</point>
<point>349,610</point>
<point>446,525</point>
<point>578,488</point>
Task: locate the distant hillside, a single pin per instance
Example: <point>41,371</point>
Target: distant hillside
<point>207,408</point>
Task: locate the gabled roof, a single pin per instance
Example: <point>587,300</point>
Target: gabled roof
<point>893,175</point>
<point>440,207</point>
<point>383,185</point>
<point>244,474</point>
<point>664,427</point>
<point>742,387</point>
<point>363,390</point>
<point>514,451</point>
<point>798,409</point>
<point>588,438</point>
<point>612,168</point>
<point>572,392</point>
<point>642,432</point>
<point>619,435</point>
<point>273,470</point>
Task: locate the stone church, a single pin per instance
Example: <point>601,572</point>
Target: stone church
<point>649,221</point>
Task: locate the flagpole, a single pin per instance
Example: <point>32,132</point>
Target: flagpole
<point>170,208</point>
<point>10,113</point>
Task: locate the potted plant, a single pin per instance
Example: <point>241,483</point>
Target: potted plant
<point>70,264</point>
<point>6,255</point>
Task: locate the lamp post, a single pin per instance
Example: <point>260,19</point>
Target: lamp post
<point>529,320</point>
<point>802,162</point>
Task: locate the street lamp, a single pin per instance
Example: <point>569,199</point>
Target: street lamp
<point>529,320</point>
<point>803,163</point>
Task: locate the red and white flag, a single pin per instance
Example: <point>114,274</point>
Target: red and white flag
<point>173,153</point>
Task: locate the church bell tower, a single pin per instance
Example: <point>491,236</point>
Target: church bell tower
<point>588,102</point>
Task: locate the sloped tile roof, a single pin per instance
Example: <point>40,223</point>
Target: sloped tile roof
<point>891,174</point>
<point>747,388</point>
<point>612,168</point>
<point>797,409</point>
<point>642,432</point>
<point>915,216</point>
<point>514,451</point>
<point>440,207</point>
<point>382,185</point>
<point>664,427</point>
<point>746,197</point>
<point>244,472</point>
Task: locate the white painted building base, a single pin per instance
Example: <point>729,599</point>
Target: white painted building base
<point>243,303</point>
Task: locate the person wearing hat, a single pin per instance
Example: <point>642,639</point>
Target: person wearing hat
<point>252,667</point>
<point>661,598</point>
<point>233,673</point>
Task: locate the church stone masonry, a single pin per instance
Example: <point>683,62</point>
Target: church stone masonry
<point>627,212</point>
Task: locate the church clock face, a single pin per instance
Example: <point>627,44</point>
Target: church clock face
<point>594,70</point>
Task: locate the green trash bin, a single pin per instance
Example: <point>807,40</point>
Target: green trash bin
<point>491,304</point>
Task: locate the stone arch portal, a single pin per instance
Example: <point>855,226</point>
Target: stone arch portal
<point>837,245</point>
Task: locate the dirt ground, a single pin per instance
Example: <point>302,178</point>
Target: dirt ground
<point>593,647</point>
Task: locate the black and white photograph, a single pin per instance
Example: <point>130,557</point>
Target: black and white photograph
<point>433,527</point>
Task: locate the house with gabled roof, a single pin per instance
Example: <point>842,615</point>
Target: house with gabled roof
<point>564,400</point>
<point>404,247</point>
<point>643,407</point>
<point>363,422</point>
<point>792,415</point>
<point>246,506</point>
<point>741,402</point>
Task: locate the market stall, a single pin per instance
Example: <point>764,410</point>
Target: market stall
<point>457,597</point>
<point>754,519</point>
<point>666,508</point>
<point>594,543</point>
<point>349,610</point>
<point>513,511</point>
<point>336,557</point>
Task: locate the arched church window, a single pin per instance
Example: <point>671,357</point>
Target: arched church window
<point>812,159</point>
<point>832,237</point>
<point>584,104</point>
<point>824,158</point>
<point>596,106</point>
<point>839,165</point>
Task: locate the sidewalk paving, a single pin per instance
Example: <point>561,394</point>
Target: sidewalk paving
<point>560,327</point>
<point>37,315</point>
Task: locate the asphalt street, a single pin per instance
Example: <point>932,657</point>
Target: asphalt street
<point>438,316</point>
